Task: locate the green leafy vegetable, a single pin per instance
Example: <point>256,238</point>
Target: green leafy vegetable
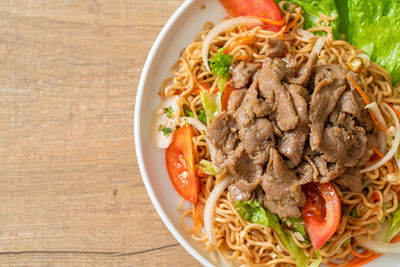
<point>201,116</point>
<point>373,26</point>
<point>220,64</point>
<point>211,103</point>
<point>166,130</point>
<point>253,211</point>
<point>313,9</point>
<point>208,167</point>
<point>394,227</point>
<point>316,262</point>
<point>298,225</point>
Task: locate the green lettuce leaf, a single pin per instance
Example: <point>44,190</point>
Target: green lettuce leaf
<point>201,116</point>
<point>211,103</point>
<point>298,226</point>
<point>373,26</point>
<point>254,212</point>
<point>312,10</point>
<point>394,227</point>
<point>208,167</point>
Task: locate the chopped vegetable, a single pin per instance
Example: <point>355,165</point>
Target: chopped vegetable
<point>313,9</point>
<point>267,9</point>
<point>180,164</point>
<point>169,112</point>
<point>220,64</point>
<point>225,98</point>
<point>208,167</point>
<point>373,27</point>
<point>345,243</point>
<point>298,225</point>
<point>321,212</point>
<point>212,105</point>
<point>201,116</point>
<point>394,227</point>
<point>244,41</point>
<point>253,211</point>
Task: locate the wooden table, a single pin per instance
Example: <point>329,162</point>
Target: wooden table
<point>70,188</point>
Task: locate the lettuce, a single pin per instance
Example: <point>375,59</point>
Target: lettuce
<point>394,227</point>
<point>298,226</point>
<point>252,211</point>
<point>201,116</point>
<point>208,167</point>
<point>312,10</point>
<point>373,26</point>
<point>211,103</point>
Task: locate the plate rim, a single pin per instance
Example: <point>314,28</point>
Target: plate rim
<point>137,136</point>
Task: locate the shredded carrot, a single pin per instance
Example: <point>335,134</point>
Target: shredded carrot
<point>271,21</point>
<point>332,264</point>
<point>293,22</point>
<point>197,213</point>
<point>366,100</point>
<point>197,90</point>
<point>356,262</point>
<point>363,255</point>
<point>282,32</point>
<point>244,41</point>
<point>395,239</point>
<point>242,58</point>
<point>358,88</point>
<point>379,153</point>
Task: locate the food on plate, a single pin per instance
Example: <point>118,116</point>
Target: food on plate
<point>283,137</point>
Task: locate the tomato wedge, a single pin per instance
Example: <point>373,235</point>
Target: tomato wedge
<point>225,98</point>
<point>321,213</point>
<point>180,164</point>
<point>268,9</point>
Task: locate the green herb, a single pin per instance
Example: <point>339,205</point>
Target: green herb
<point>169,111</point>
<point>313,9</point>
<point>201,116</point>
<point>166,130</point>
<point>354,213</point>
<point>220,64</point>
<point>253,211</point>
<point>394,227</point>
<point>373,26</point>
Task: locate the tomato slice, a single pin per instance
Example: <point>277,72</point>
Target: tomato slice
<point>180,164</point>
<point>268,9</point>
<point>225,98</point>
<point>321,213</point>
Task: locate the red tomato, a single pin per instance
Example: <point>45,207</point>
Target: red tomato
<point>268,9</point>
<point>180,164</point>
<point>225,98</point>
<point>321,213</point>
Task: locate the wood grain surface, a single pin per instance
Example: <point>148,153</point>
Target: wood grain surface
<point>70,188</point>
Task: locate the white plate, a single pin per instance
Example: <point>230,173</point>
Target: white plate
<point>179,31</point>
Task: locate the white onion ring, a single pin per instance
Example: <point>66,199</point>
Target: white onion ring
<point>195,123</point>
<point>395,143</point>
<point>220,27</point>
<point>380,246</point>
<point>209,208</point>
<point>377,112</point>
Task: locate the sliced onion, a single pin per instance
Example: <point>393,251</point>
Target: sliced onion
<point>380,246</point>
<point>209,208</point>
<point>195,123</point>
<point>159,117</point>
<point>319,44</point>
<point>377,112</point>
<point>223,26</point>
<point>212,149</point>
<point>365,58</point>
<point>395,143</point>
<point>305,34</point>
